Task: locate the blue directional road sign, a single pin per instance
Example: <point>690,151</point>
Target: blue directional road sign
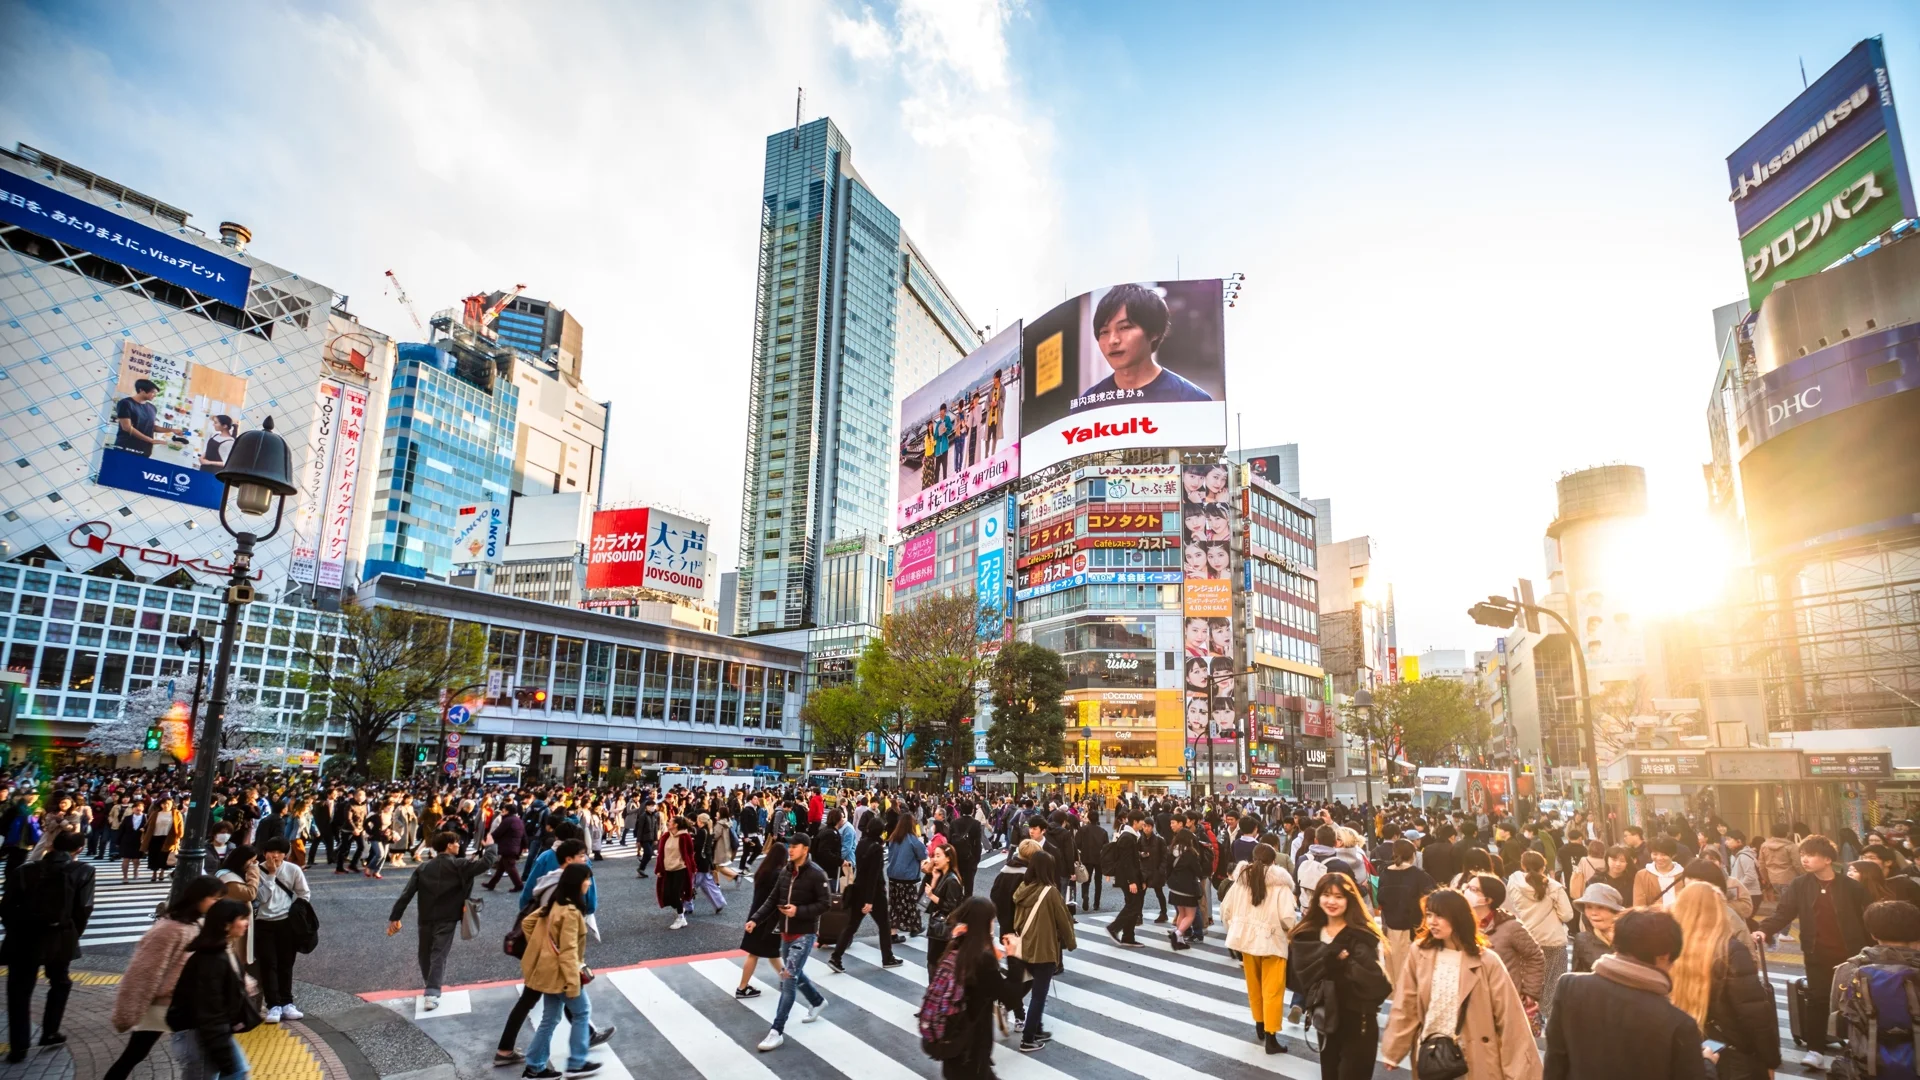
<point>459,715</point>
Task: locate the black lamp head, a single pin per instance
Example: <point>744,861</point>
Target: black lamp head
<point>259,466</point>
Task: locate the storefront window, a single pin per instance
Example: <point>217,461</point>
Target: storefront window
<point>626,681</point>
<point>731,677</point>
<point>706,690</point>
<point>593,693</point>
<point>680,693</point>
<point>750,710</point>
<point>536,665</point>
<point>653,700</point>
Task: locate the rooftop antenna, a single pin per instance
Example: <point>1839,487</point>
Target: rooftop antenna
<point>1803,73</point>
<point>800,97</point>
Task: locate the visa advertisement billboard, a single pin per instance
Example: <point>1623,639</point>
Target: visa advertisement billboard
<point>960,433</point>
<point>1135,365</point>
<point>649,548</point>
<point>1824,176</point>
<point>171,423</point>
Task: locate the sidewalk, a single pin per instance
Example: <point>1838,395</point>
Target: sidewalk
<point>340,1038</point>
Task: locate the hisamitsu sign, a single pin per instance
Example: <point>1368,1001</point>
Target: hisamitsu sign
<point>59,216</point>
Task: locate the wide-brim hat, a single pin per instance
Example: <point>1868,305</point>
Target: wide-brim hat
<point>1598,895</point>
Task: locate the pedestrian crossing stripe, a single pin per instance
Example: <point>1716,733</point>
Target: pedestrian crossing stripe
<point>1112,1016</point>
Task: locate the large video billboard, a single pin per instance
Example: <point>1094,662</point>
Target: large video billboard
<point>1206,636</point>
<point>1824,176</point>
<point>171,424</point>
<point>960,433</point>
<point>647,547</point>
<point>1137,365</point>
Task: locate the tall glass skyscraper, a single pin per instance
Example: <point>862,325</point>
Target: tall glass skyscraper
<point>848,319</point>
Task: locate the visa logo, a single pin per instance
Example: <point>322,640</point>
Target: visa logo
<point>156,478</point>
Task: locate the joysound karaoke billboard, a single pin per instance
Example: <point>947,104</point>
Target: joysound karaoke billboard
<point>960,433</point>
<point>1825,175</point>
<point>1135,365</point>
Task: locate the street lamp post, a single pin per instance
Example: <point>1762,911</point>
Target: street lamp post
<point>1086,762</point>
<point>258,476</point>
<point>1500,612</point>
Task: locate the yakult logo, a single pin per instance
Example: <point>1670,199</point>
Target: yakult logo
<point>1136,426</point>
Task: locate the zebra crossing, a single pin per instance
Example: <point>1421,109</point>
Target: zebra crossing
<point>1114,1013</point>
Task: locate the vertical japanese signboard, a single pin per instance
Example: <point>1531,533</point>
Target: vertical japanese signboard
<point>1206,528</point>
<point>337,529</point>
<point>310,516</point>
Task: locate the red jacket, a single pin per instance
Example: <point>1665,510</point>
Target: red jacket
<point>816,809</point>
<point>660,871</point>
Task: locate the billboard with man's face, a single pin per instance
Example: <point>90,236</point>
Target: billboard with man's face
<point>960,433</point>
<point>1137,365</point>
<point>172,424</point>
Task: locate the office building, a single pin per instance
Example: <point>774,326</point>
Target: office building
<point>847,316</point>
<point>111,553</point>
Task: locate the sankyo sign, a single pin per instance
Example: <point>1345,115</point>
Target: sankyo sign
<point>1856,202</point>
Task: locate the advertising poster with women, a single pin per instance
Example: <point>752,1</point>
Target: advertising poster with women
<point>960,433</point>
<point>169,424</point>
<point>1206,636</point>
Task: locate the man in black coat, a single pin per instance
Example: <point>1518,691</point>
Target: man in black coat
<point>1625,993</point>
<point>1129,879</point>
<point>867,896</point>
<point>443,883</point>
<point>797,900</point>
<point>1153,864</point>
<point>967,837</point>
<point>1829,906</point>
<point>1090,841</point>
<point>45,910</point>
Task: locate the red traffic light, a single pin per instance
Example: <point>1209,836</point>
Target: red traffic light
<point>539,695</point>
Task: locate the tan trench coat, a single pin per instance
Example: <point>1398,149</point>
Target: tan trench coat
<point>1494,1034</point>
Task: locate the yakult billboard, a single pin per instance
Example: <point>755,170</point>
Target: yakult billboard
<point>648,548</point>
<point>1137,365</point>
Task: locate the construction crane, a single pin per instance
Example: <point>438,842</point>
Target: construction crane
<point>479,315</point>
<point>493,312</point>
<point>405,302</point>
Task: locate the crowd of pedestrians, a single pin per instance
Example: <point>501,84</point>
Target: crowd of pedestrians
<point>1437,940</point>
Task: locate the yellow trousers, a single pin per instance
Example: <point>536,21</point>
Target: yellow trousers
<point>1266,989</point>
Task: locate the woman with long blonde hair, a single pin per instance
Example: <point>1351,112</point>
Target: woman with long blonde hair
<point>1716,982</point>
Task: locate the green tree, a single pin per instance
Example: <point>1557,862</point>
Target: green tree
<point>936,668</point>
<point>392,663</point>
<point>1430,721</point>
<point>840,717</point>
<point>1028,729</point>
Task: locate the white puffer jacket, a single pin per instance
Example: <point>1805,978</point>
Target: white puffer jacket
<point>1260,930</point>
<point>1544,917</point>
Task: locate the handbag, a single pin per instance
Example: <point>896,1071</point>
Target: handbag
<point>1079,872</point>
<point>1322,1006</point>
<point>470,918</point>
<point>1013,940</point>
<point>1439,1058</point>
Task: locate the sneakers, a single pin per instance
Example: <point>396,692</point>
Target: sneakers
<point>507,1057</point>
<point>55,1039</point>
<point>679,921</point>
<point>1294,1014</point>
<point>274,1014</point>
<point>747,991</point>
<point>1029,1047</point>
<point>1114,933</point>
<point>814,1011</point>
<point>288,1012</point>
<point>892,961</point>
<point>835,964</point>
<point>771,1042</point>
<point>430,1002</point>
<point>587,1069</point>
<point>548,1073</point>
<point>600,1036</point>
<point>1131,943</point>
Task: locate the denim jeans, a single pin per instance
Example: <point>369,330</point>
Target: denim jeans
<point>579,1012</point>
<point>793,956</point>
<point>186,1050</point>
<point>1037,1004</point>
<point>376,856</point>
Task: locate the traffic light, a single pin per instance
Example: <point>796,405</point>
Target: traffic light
<point>1494,611</point>
<point>153,737</point>
<point>527,697</point>
<point>420,756</point>
<point>1526,605</point>
<point>543,738</point>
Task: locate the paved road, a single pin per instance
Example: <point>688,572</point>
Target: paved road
<point>1115,1013</point>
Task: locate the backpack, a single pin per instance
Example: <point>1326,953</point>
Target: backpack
<point>514,944</point>
<point>1110,860</point>
<point>1879,1006</point>
<point>302,921</point>
<point>1308,874</point>
<point>942,1035</point>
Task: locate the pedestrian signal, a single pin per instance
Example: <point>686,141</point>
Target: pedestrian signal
<point>153,737</point>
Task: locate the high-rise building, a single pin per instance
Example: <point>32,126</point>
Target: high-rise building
<point>848,316</point>
<point>540,329</point>
<point>448,444</point>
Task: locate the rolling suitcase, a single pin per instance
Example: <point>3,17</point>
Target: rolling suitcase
<point>1802,1022</point>
<point>833,923</point>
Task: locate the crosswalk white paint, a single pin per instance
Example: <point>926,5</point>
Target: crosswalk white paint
<point>823,1037</point>
<point>711,1051</point>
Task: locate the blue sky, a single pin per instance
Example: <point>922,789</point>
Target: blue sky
<point>1482,243</point>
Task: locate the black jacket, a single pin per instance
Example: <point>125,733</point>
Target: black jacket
<point>964,832</point>
<point>443,884</point>
<point>1059,844</point>
<point>1740,1013</point>
<point>1153,860</point>
<point>1797,900</point>
<point>1591,1012</point>
<point>869,872</point>
<point>45,909</point>
<point>1400,893</point>
<point>1126,860</point>
<point>1440,861</point>
<point>806,890</point>
<point>1012,874</point>
<point>1089,842</point>
<point>947,897</point>
<point>1360,983</point>
<point>210,1000</point>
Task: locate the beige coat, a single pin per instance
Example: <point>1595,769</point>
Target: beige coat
<point>556,947</point>
<point>1494,1034</point>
